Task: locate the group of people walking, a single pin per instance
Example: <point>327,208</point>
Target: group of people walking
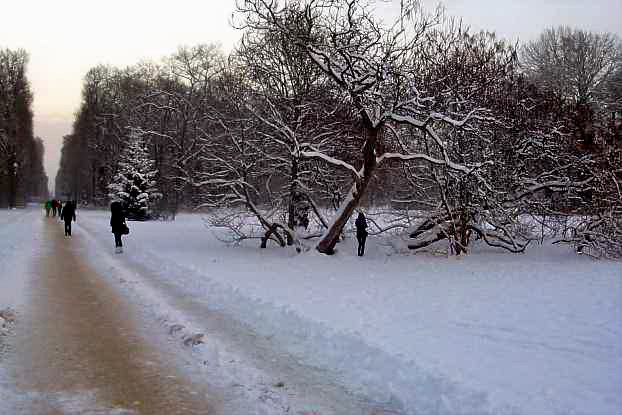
<point>53,206</point>
<point>67,213</point>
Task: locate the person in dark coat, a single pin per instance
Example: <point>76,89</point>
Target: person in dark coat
<point>68,214</point>
<point>59,205</point>
<point>361,232</point>
<point>53,203</point>
<point>118,225</point>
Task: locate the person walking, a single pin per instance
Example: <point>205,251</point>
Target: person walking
<point>68,214</point>
<point>53,204</point>
<point>118,225</point>
<point>48,207</point>
<point>59,206</point>
<point>361,232</point>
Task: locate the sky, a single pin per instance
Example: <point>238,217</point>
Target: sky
<point>65,38</point>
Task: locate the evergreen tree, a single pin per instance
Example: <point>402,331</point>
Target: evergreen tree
<point>134,184</point>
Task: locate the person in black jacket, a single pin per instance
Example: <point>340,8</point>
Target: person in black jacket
<point>68,214</point>
<point>361,232</point>
<point>117,222</point>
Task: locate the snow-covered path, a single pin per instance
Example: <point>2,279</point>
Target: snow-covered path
<point>87,342</point>
<point>76,348</point>
<point>491,333</point>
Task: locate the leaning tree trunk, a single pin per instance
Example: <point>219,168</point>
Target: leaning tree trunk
<point>272,230</point>
<point>331,236</point>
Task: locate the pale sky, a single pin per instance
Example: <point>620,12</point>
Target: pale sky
<point>65,38</point>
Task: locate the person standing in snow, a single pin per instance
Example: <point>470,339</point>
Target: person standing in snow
<point>68,214</point>
<point>118,225</point>
<point>361,232</point>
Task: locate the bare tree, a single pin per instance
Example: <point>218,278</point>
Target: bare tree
<point>293,99</point>
<point>582,69</point>
<point>369,64</point>
<point>574,63</point>
<point>174,115</point>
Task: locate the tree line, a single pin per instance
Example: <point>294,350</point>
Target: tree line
<point>22,177</point>
<point>323,108</point>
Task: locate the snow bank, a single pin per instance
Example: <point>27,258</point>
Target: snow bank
<point>539,333</point>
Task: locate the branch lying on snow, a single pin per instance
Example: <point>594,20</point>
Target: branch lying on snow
<point>429,231</point>
<point>437,228</point>
<point>235,228</point>
<point>599,236</point>
<point>386,228</point>
<point>501,239</point>
<point>435,234</point>
<point>270,228</point>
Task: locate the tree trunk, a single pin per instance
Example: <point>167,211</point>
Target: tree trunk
<point>293,200</point>
<point>272,230</point>
<point>12,182</point>
<point>331,236</point>
<point>464,233</point>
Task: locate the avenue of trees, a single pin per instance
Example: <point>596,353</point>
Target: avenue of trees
<point>22,177</point>
<point>323,108</point>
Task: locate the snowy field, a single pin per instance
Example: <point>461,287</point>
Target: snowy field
<point>491,333</point>
<point>539,333</point>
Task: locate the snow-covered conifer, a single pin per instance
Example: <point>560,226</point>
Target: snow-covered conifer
<point>134,184</point>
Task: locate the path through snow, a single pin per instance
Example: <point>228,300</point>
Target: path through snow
<point>539,333</point>
<point>492,333</point>
<point>92,337</point>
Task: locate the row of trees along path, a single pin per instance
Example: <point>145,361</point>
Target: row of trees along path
<point>323,108</point>
<point>22,177</point>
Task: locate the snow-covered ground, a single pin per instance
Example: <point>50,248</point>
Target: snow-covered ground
<point>539,333</point>
<point>17,236</point>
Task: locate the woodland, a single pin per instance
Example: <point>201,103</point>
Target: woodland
<point>22,177</point>
<point>325,108</point>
